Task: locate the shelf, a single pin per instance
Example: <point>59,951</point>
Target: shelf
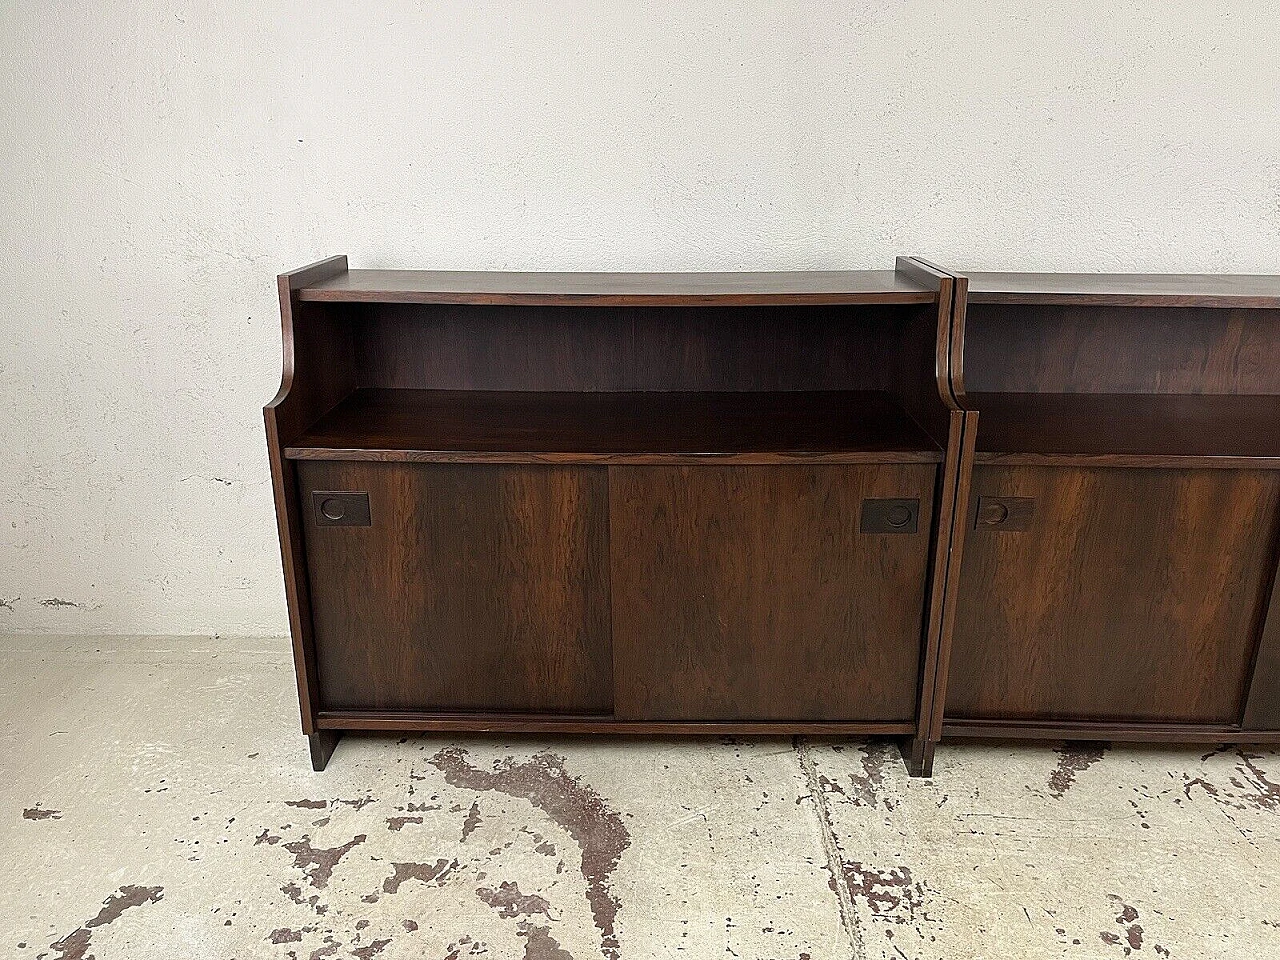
<point>502,427</point>
<point>620,289</point>
<point>1126,290</point>
<point>1128,429</point>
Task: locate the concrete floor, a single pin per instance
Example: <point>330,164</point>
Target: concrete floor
<point>157,803</point>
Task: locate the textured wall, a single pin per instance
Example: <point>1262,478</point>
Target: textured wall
<point>161,162</point>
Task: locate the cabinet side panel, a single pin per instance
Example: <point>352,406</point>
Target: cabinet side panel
<point>317,369</point>
<point>751,593</point>
<point>473,587</point>
<point>1111,594</point>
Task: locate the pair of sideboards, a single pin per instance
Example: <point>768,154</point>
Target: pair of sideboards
<point>911,503</point>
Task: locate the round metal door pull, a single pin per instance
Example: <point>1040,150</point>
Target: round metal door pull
<point>994,513</point>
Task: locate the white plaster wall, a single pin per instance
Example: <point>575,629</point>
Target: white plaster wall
<point>161,162</point>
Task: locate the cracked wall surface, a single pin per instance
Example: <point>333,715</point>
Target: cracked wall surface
<point>158,802</point>
<point>162,162</point>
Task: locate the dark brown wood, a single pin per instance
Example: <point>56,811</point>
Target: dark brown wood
<point>530,723</point>
<point>1103,730</point>
<point>585,427</point>
<point>620,289</point>
<point>1132,595</point>
<point>917,752</point>
<point>475,588</point>
<point>1146,392</point>
<point>666,475</point>
<point>948,548</point>
<point>764,373</point>
<point>1121,350</point>
<point>1003,513</point>
<point>322,743</point>
<point>318,370</point>
<point>960,494</point>
<point>1262,710</point>
<point>644,349</point>
<point>747,593</point>
<point>1135,290</point>
<point>1143,429</point>
<point>932,402</point>
<point>952,300</point>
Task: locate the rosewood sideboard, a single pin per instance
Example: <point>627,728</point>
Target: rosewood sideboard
<point>1115,570</point>
<point>911,503</point>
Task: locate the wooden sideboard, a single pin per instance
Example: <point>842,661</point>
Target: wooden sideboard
<point>911,503</point>
<point>1122,512</point>
<point>695,503</point>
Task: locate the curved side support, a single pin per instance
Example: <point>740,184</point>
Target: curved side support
<point>954,351</point>
<point>288,284</point>
<point>927,274</point>
<point>285,416</point>
<point>956,480</point>
<point>959,316</point>
<point>917,751</point>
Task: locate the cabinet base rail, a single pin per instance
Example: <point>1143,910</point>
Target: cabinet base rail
<point>917,754</point>
<point>1136,732</point>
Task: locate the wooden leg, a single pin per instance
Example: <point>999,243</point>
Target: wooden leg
<point>322,745</point>
<point>917,754</point>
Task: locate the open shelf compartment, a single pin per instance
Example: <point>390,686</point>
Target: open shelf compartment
<point>617,427</point>
<point>1177,429</point>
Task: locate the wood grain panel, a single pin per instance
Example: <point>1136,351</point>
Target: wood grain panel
<point>1104,730</point>
<point>1127,289</point>
<point>586,426</point>
<point>548,723</point>
<point>459,347</point>
<point>1056,349</point>
<point>1132,595</point>
<point>474,588</point>
<point>1164,427</point>
<point>620,289</point>
<point>748,593</point>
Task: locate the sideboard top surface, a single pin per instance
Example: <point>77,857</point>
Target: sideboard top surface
<point>1126,289</point>
<point>620,289</point>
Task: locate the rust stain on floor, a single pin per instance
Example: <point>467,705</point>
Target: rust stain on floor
<point>510,902</point>
<point>892,894</point>
<point>317,864</point>
<point>865,785</point>
<point>436,873</point>
<point>575,806</point>
<point>75,945</point>
<point>1073,758</point>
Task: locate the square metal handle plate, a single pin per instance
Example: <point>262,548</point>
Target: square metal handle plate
<point>1004,513</point>
<point>890,516</point>
<point>340,508</point>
